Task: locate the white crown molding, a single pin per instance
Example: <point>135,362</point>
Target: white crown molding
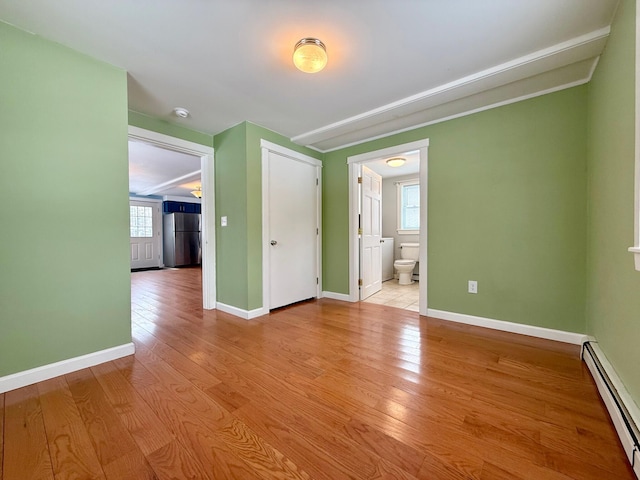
<point>45,372</point>
<point>168,142</point>
<point>463,114</point>
<point>566,53</point>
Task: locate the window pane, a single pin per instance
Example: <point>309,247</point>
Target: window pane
<point>140,221</point>
<point>410,209</point>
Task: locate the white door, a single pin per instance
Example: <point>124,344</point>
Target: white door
<point>145,235</point>
<point>293,230</point>
<point>370,239</point>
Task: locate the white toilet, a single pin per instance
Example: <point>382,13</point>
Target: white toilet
<point>409,253</point>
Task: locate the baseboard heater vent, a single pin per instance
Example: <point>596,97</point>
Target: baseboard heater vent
<point>621,407</point>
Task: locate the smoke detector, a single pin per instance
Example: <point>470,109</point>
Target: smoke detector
<point>181,112</point>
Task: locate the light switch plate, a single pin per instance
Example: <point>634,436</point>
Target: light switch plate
<point>223,221</point>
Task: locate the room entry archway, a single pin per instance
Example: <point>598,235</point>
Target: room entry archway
<point>206,155</point>
<point>354,163</point>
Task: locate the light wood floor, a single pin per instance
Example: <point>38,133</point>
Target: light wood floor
<point>324,390</point>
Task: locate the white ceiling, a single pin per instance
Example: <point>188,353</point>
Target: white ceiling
<point>411,166</point>
<point>392,64</point>
<point>156,171</point>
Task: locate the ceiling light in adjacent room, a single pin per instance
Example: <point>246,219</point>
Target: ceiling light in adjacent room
<point>396,161</point>
<point>197,192</point>
<point>181,112</point>
<point>310,55</point>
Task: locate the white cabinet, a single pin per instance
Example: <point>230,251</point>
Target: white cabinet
<point>387,258</point>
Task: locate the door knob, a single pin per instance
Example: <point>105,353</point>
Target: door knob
<point>273,242</point>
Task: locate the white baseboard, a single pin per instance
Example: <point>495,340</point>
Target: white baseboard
<point>239,312</point>
<point>45,372</point>
<point>611,403</point>
<point>337,296</point>
<point>540,332</point>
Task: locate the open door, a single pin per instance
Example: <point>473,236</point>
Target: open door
<point>371,236</point>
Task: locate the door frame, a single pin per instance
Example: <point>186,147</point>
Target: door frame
<point>157,222</point>
<point>354,163</point>
<point>267,147</point>
<point>208,217</point>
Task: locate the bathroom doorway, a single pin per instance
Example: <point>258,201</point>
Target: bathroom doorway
<point>362,219</point>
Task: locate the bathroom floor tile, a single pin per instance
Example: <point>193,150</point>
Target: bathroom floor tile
<point>398,296</point>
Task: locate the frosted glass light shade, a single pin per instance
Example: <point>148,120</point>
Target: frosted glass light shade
<point>197,193</point>
<point>396,162</point>
<point>310,55</point>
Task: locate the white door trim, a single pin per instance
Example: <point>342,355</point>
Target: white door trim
<point>206,155</point>
<point>267,147</point>
<point>353,163</point>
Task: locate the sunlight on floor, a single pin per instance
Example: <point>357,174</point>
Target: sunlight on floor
<point>399,296</point>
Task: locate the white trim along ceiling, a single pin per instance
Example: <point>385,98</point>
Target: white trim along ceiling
<point>392,66</point>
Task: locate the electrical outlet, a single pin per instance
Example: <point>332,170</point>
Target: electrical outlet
<point>473,286</point>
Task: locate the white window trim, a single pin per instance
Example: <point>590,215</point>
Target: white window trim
<point>399,185</point>
<point>636,248</point>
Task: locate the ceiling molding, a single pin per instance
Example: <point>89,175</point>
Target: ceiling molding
<point>168,142</point>
<point>581,50</point>
<point>174,182</point>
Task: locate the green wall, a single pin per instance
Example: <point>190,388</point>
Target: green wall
<point>506,195</point>
<point>64,261</point>
<point>238,158</point>
<point>613,295</point>
<point>160,126</point>
<point>231,201</point>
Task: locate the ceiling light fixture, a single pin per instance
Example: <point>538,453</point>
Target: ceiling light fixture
<point>310,55</point>
<point>181,112</point>
<point>396,161</point>
<point>197,192</point>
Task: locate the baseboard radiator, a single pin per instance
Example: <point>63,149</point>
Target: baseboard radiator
<point>622,409</point>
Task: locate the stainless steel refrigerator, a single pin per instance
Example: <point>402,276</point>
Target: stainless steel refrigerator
<point>182,239</point>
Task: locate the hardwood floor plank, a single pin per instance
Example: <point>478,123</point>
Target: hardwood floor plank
<point>132,466</point>
<point>109,437</point>
<point>450,467</point>
<point>388,448</point>
<point>319,464</point>
<point>262,457</point>
<point>26,450</point>
<point>197,375</point>
<point>72,454</point>
<point>140,421</point>
<point>323,389</point>
<point>197,435</point>
<point>172,461</point>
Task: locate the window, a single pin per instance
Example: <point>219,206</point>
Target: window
<point>141,221</point>
<point>409,207</point>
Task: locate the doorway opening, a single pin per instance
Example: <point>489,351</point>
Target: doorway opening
<point>363,229</point>
<point>203,175</point>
